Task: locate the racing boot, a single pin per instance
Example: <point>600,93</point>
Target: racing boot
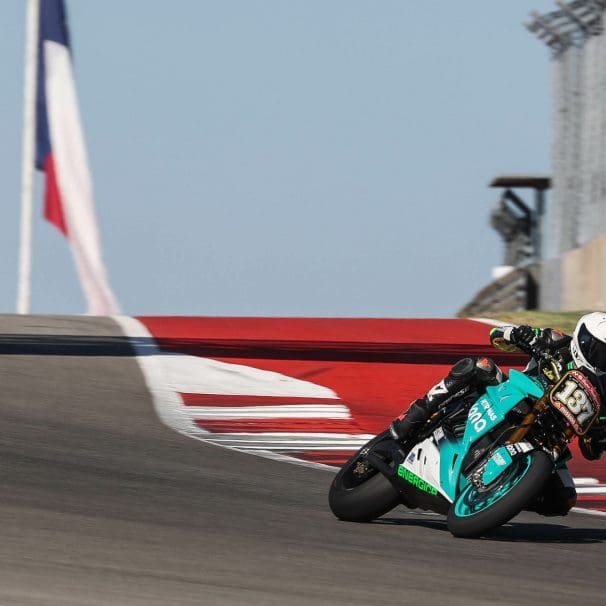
<point>406,425</point>
<point>592,445</point>
<point>466,373</point>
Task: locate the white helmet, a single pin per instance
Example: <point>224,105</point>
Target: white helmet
<point>588,346</point>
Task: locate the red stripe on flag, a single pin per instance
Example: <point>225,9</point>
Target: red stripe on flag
<point>203,399</point>
<point>53,208</point>
<point>278,425</point>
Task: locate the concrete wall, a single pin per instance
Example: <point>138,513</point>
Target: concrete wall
<point>550,291</point>
<point>576,281</point>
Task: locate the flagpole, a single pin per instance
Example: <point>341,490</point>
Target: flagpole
<point>28,159</point>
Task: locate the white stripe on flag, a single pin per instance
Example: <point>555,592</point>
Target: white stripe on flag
<point>73,177</point>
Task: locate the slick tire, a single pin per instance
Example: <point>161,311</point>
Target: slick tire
<point>473,514</point>
<point>361,502</point>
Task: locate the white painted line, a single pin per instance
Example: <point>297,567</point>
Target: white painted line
<point>491,322</point>
<point>592,490</point>
<point>585,481</point>
<point>268,454</point>
<point>167,402</point>
<point>192,374</point>
<point>287,411</point>
<point>290,441</point>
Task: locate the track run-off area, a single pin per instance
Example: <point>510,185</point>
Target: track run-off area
<point>106,500</point>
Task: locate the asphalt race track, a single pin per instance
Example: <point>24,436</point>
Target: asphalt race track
<point>102,504</point>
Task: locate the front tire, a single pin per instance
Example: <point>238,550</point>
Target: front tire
<point>474,512</point>
<point>359,497</point>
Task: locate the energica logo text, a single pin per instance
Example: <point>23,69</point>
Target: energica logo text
<point>416,481</point>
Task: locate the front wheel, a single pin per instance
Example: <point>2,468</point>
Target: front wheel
<point>359,493</point>
<point>476,511</point>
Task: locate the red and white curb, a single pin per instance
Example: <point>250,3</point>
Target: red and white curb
<point>277,414</point>
<point>258,411</point>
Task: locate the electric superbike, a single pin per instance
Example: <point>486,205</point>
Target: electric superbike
<point>480,460</point>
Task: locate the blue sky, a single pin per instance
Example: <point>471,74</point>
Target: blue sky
<point>287,157</point>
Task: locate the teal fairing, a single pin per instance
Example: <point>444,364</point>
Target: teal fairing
<point>467,472</point>
<point>486,414</point>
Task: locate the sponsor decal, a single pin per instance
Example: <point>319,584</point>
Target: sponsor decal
<point>519,448</point>
<point>549,374</point>
<point>411,457</point>
<point>476,418</point>
<point>489,411</point>
<point>576,398</point>
<point>416,481</point>
<point>497,457</point>
<point>438,434</point>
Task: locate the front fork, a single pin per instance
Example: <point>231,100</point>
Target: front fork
<point>540,406</point>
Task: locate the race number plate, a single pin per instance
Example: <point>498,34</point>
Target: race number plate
<point>577,399</point>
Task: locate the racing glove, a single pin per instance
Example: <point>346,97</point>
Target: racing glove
<point>524,337</point>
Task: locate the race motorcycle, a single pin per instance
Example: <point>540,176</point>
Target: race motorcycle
<point>479,460</point>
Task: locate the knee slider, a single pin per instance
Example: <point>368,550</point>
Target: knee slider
<point>487,372</point>
<point>463,369</point>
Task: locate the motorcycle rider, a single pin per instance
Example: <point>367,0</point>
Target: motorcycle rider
<point>585,350</point>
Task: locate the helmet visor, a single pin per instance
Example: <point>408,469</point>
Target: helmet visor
<point>592,349</point>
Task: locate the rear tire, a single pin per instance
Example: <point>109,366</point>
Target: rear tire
<point>361,500</point>
<point>475,512</point>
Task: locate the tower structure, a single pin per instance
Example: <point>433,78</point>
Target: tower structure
<point>573,272</point>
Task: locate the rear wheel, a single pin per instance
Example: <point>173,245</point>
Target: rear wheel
<point>476,511</point>
<point>359,493</point>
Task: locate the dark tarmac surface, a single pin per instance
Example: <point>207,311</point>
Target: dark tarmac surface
<point>101,504</point>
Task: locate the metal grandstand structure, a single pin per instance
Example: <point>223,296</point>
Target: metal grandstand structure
<point>578,202</point>
<point>564,256</point>
<point>570,25</point>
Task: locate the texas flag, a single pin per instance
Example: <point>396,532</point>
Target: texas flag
<point>61,154</point>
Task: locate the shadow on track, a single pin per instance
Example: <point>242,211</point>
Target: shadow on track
<point>515,532</point>
<point>540,532</point>
<point>421,521</point>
